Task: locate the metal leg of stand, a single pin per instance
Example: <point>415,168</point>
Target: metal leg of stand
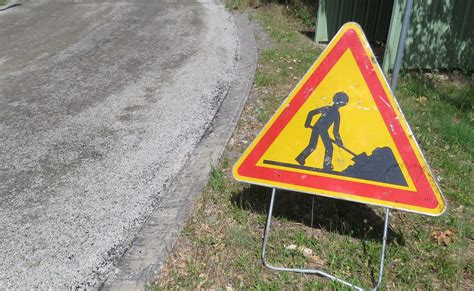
<point>384,244</point>
<point>315,271</point>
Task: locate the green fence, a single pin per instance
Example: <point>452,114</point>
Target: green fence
<point>440,36</point>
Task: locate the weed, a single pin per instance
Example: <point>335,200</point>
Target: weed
<point>305,10</point>
<point>239,237</point>
<point>262,79</point>
<point>216,180</point>
<point>235,4</point>
<point>241,216</point>
<point>243,262</point>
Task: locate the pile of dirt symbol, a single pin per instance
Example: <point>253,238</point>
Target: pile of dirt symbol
<point>380,166</point>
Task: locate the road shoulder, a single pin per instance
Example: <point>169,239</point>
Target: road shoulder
<point>141,264</point>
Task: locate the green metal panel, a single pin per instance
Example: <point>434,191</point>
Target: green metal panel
<point>440,35</point>
<point>372,15</point>
<point>321,23</point>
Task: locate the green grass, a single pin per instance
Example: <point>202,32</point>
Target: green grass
<point>236,4</point>
<point>221,243</point>
<point>443,124</point>
<point>216,179</point>
<point>303,10</point>
<point>3,2</point>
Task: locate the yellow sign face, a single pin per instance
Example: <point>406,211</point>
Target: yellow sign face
<point>341,134</point>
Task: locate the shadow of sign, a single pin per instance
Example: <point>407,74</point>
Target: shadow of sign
<point>332,215</point>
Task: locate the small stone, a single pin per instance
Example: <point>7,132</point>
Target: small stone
<point>305,251</point>
<point>291,247</point>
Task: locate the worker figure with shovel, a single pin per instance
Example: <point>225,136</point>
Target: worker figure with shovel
<point>329,116</point>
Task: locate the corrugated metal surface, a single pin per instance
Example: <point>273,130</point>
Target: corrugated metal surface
<point>441,32</point>
<point>372,15</point>
<point>441,35</point>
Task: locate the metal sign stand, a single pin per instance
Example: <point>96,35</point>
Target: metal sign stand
<point>316,271</point>
<point>393,85</point>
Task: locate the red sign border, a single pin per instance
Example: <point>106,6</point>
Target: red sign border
<point>424,196</point>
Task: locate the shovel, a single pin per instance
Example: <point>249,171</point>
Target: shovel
<point>356,157</point>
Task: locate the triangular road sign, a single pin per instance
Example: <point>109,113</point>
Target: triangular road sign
<point>341,134</point>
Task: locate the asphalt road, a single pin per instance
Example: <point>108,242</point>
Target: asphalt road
<point>101,103</point>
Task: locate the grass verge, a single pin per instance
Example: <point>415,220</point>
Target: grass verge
<point>220,245</point>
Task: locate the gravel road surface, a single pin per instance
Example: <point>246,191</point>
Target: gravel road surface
<point>101,103</point>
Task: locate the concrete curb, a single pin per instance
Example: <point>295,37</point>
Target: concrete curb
<point>143,261</point>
